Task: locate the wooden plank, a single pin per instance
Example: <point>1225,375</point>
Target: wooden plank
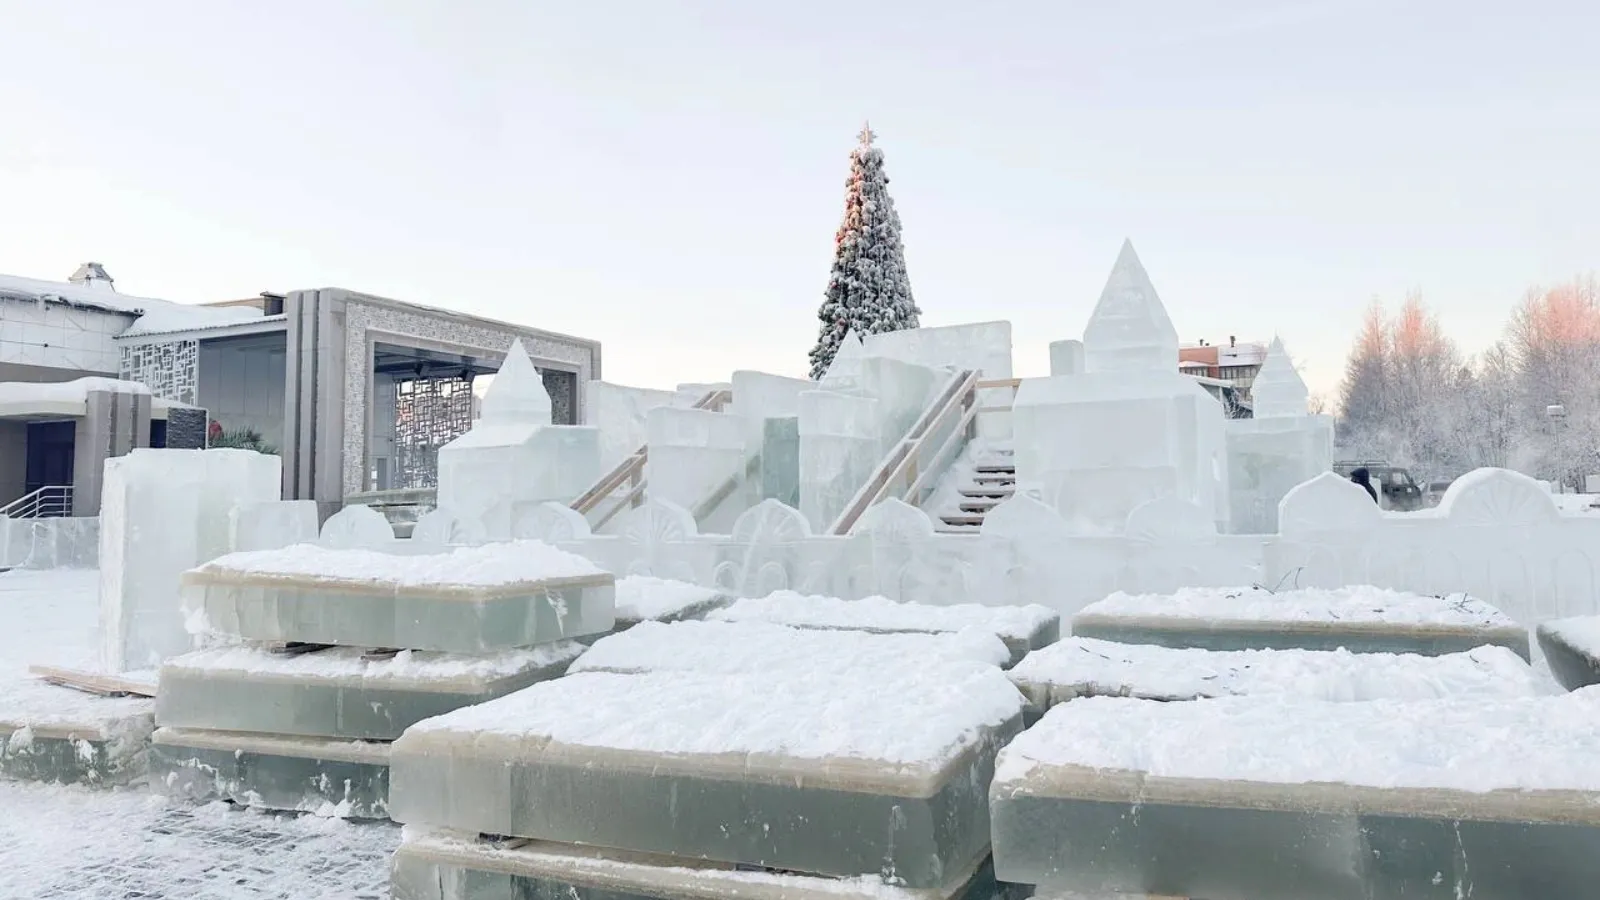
<point>295,648</point>
<point>992,490</point>
<point>996,469</point>
<point>966,519</point>
<point>93,682</point>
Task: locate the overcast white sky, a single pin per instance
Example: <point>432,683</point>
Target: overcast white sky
<point>667,177</point>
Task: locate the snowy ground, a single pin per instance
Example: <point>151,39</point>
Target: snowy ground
<point>69,842</point>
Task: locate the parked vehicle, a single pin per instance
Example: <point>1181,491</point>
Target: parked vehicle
<point>1396,488</point>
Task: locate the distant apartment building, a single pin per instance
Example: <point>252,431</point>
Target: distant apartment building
<point>1227,371</point>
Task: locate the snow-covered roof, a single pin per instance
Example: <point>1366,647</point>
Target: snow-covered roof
<point>70,398</point>
<point>153,315</point>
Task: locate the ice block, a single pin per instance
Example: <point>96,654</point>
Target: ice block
<point>336,692</point>
<point>1085,667</point>
<point>1022,628</point>
<point>1258,798</point>
<point>469,600</point>
<point>344,779</point>
<point>760,649</point>
<point>1572,650</point>
<point>57,734</point>
<point>831,773</point>
<point>1361,619</point>
<point>442,865</point>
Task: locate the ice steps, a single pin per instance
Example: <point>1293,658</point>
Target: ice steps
<point>992,482</point>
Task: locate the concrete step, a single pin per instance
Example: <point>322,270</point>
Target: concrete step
<point>972,520</point>
<point>992,490</point>
<point>981,505</point>
<point>996,478</point>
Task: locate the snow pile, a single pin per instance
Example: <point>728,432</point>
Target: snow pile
<point>489,565</point>
<point>910,716</point>
<point>1009,623</point>
<point>408,666</point>
<point>643,597</point>
<point>1460,743</point>
<point>762,650</point>
<point>1362,603</point>
<point>1084,666</point>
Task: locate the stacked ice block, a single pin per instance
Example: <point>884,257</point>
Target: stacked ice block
<point>1572,650</point>
<point>1259,799</point>
<point>844,763</point>
<point>346,648</point>
<point>1084,667</point>
<point>1360,619</point>
<point>1022,628</point>
<point>49,733</point>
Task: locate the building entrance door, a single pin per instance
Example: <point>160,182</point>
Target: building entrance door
<point>50,450</point>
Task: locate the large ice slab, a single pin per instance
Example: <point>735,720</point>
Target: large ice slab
<point>339,693</point>
<point>1572,650</point>
<point>1084,667</point>
<point>469,600</point>
<point>162,512</point>
<point>1022,628</point>
<point>645,598</point>
<point>832,773</point>
<point>57,734</point>
<point>1361,619</point>
<point>343,779</point>
<point>1256,798</point>
<point>442,865</point>
<point>759,649</point>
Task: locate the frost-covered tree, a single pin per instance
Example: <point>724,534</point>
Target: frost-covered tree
<point>868,291</point>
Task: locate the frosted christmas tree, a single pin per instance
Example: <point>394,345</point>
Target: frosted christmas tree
<point>868,291</point>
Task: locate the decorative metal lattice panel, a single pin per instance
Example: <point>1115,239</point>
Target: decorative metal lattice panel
<point>171,370</point>
<point>563,390</point>
<point>429,413</point>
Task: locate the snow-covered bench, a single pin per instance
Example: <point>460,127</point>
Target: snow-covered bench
<point>1022,628</point>
<point>1360,619</point>
<point>469,600</point>
<point>1247,797</point>
<point>838,773</point>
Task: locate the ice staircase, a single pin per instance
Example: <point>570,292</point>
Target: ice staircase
<point>982,479</point>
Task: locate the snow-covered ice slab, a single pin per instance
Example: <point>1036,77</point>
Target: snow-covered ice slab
<point>1022,628</point>
<point>1360,619</point>
<point>644,598</point>
<point>761,649</point>
<point>1572,650</point>
<point>1251,797</point>
<point>833,773</point>
<point>1084,667</point>
<point>343,779</point>
<point>337,693</point>
<point>470,600</point>
<point>57,734</point>
<point>443,865</point>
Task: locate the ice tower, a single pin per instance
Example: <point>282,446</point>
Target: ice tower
<point>513,455</point>
<point>1129,428</point>
<point>1278,449</point>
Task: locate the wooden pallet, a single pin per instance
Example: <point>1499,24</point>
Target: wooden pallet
<point>93,682</point>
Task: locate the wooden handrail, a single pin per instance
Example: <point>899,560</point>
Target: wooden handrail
<point>960,392</point>
<point>1000,383</point>
<point>631,469</point>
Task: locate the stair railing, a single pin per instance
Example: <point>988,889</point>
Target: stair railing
<point>53,501</point>
<point>630,472</point>
<point>904,473</point>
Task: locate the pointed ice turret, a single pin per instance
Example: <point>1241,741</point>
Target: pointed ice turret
<point>518,394</point>
<point>1129,328</point>
<point>1278,389</point>
<point>845,369</point>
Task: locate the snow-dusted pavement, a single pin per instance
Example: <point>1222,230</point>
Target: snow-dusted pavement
<point>70,842</point>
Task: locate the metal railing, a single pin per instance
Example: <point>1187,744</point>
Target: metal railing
<point>630,473</point>
<point>53,501</point>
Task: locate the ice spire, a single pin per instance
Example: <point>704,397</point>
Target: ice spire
<point>518,393</point>
<point>845,368</point>
<point>1278,389</point>
<point>1129,328</point>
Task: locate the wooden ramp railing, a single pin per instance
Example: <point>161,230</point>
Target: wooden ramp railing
<point>630,473</point>
<point>910,469</point>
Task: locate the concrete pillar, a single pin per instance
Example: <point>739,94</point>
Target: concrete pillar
<point>113,424</point>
